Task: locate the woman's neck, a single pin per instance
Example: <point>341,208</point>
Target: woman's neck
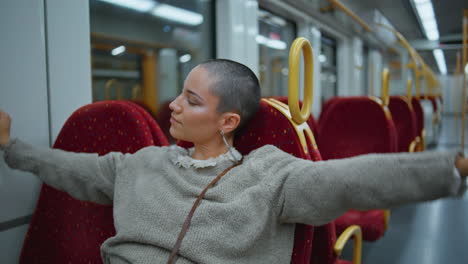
<point>210,149</point>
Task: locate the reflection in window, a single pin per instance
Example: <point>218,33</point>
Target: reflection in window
<point>143,49</point>
<point>328,76</point>
<point>275,37</point>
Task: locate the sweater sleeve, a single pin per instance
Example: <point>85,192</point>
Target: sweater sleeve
<point>85,176</point>
<point>317,192</point>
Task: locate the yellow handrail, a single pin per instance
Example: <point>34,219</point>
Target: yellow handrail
<point>300,116</point>
<point>414,61</point>
<point>350,13</point>
<point>409,87</point>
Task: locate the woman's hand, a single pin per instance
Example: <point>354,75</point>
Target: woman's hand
<point>5,125</point>
<point>461,164</point>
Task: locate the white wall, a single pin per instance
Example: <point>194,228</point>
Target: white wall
<point>236,32</point>
<point>68,59</point>
<point>45,76</point>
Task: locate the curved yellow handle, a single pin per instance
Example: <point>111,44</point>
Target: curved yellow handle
<point>300,115</point>
<point>385,87</point>
<point>107,87</point>
<point>355,232</point>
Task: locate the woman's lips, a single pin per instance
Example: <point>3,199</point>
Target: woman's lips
<point>173,120</point>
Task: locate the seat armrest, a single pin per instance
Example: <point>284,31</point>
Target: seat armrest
<point>353,231</point>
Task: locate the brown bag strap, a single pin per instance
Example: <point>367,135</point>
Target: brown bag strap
<point>176,247</point>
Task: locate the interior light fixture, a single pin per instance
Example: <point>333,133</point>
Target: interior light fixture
<point>440,59</point>
<point>138,5</point>
<point>271,43</point>
<point>185,58</point>
<point>117,51</point>
<point>426,15</point>
<point>177,14</point>
<point>322,58</point>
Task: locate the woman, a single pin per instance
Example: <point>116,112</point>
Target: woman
<point>249,215</point>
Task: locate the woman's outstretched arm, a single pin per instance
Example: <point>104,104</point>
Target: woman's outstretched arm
<point>318,192</point>
<point>84,176</point>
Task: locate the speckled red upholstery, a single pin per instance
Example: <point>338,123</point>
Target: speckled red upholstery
<point>63,229</point>
<point>418,111</point>
<point>354,126</point>
<point>404,119</point>
<point>311,121</point>
<point>156,131</point>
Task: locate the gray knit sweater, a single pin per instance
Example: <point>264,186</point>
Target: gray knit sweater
<point>249,216</point>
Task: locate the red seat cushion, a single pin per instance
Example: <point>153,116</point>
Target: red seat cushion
<point>404,119</point>
<point>63,229</point>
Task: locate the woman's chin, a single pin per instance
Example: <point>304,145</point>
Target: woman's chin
<point>174,134</point>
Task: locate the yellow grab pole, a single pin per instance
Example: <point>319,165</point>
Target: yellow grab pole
<point>150,97</point>
<point>409,92</point>
<point>465,36</point>
<point>457,88</point>
<point>385,87</point>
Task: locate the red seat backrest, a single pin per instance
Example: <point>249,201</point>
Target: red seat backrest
<point>404,119</point>
<point>353,126</point>
<point>63,229</point>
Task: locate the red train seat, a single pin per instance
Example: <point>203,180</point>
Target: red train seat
<point>354,126</point>
<point>63,229</point>
<point>404,119</point>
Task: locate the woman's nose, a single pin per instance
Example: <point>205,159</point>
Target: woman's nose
<point>174,105</point>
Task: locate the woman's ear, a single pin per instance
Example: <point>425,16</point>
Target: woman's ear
<point>229,122</point>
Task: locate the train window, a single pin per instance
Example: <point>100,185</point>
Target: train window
<point>142,50</point>
<point>329,74</point>
<point>276,35</point>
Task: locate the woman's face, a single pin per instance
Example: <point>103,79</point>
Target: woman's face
<point>194,116</point>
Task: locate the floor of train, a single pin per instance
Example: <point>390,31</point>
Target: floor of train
<point>430,233</point>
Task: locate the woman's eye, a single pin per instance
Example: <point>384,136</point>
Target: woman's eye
<point>191,102</point>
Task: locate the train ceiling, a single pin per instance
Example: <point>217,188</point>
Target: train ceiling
<point>449,20</point>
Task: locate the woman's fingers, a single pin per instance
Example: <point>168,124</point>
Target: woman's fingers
<point>5,124</point>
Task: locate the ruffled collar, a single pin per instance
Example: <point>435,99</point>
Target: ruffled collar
<point>183,158</point>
